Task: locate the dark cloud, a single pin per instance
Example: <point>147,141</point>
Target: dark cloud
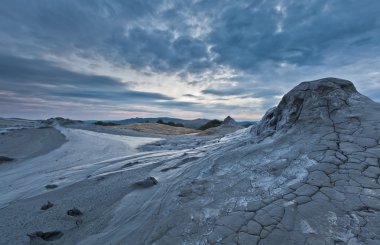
<point>243,34</point>
<point>46,80</point>
<point>297,32</point>
<point>25,71</point>
<point>159,50</point>
<point>269,46</point>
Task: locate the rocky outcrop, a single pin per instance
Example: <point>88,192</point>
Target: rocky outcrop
<point>309,102</point>
<point>59,121</point>
<point>229,121</point>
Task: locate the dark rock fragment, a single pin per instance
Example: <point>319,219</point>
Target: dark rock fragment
<point>74,212</point>
<point>148,182</point>
<point>5,159</point>
<point>51,186</point>
<point>47,206</point>
<point>46,236</point>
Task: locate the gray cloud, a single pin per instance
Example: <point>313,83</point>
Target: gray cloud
<point>305,33</point>
<point>270,46</point>
<point>45,79</point>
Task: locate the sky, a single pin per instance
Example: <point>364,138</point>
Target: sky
<point>116,59</point>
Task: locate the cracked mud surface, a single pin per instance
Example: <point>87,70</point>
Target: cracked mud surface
<point>308,174</point>
<point>330,143</point>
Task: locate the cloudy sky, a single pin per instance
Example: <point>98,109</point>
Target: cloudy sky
<point>114,59</point>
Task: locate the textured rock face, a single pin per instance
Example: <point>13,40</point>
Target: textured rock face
<point>309,102</point>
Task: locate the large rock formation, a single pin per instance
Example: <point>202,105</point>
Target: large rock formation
<point>310,102</point>
<point>311,176</point>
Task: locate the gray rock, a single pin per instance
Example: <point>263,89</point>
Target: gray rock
<point>333,194</point>
<point>289,196</point>
<point>247,239</point>
<point>148,182</point>
<point>277,236</point>
<point>47,206</point>
<point>74,212</point>
<point>302,199</point>
<point>306,190</point>
<point>219,233</point>
<point>46,236</point>
<point>254,206</point>
<point>318,178</point>
<point>51,186</point>
<point>233,221</point>
<point>5,159</point>
<point>264,218</point>
<point>254,228</point>
<point>370,202</point>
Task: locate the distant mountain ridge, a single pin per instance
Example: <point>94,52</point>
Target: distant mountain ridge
<point>193,123</point>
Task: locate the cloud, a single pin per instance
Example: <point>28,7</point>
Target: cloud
<point>213,51</point>
<point>159,50</point>
<point>46,80</point>
<point>310,31</point>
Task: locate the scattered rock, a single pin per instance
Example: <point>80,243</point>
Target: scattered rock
<point>148,182</point>
<point>74,212</point>
<point>47,206</point>
<point>78,222</point>
<point>100,178</point>
<point>5,159</point>
<point>46,236</point>
<point>51,186</point>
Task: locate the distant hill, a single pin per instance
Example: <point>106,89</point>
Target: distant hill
<point>158,128</point>
<point>229,121</point>
<point>194,124</point>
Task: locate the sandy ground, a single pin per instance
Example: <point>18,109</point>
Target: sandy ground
<point>96,178</point>
<point>29,142</point>
<point>167,142</point>
<point>7,124</point>
<point>72,162</point>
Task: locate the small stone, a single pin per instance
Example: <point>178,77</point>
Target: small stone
<point>148,182</point>
<point>74,212</point>
<point>46,236</point>
<point>47,206</point>
<point>5,159</point>
<point>51,186</point>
